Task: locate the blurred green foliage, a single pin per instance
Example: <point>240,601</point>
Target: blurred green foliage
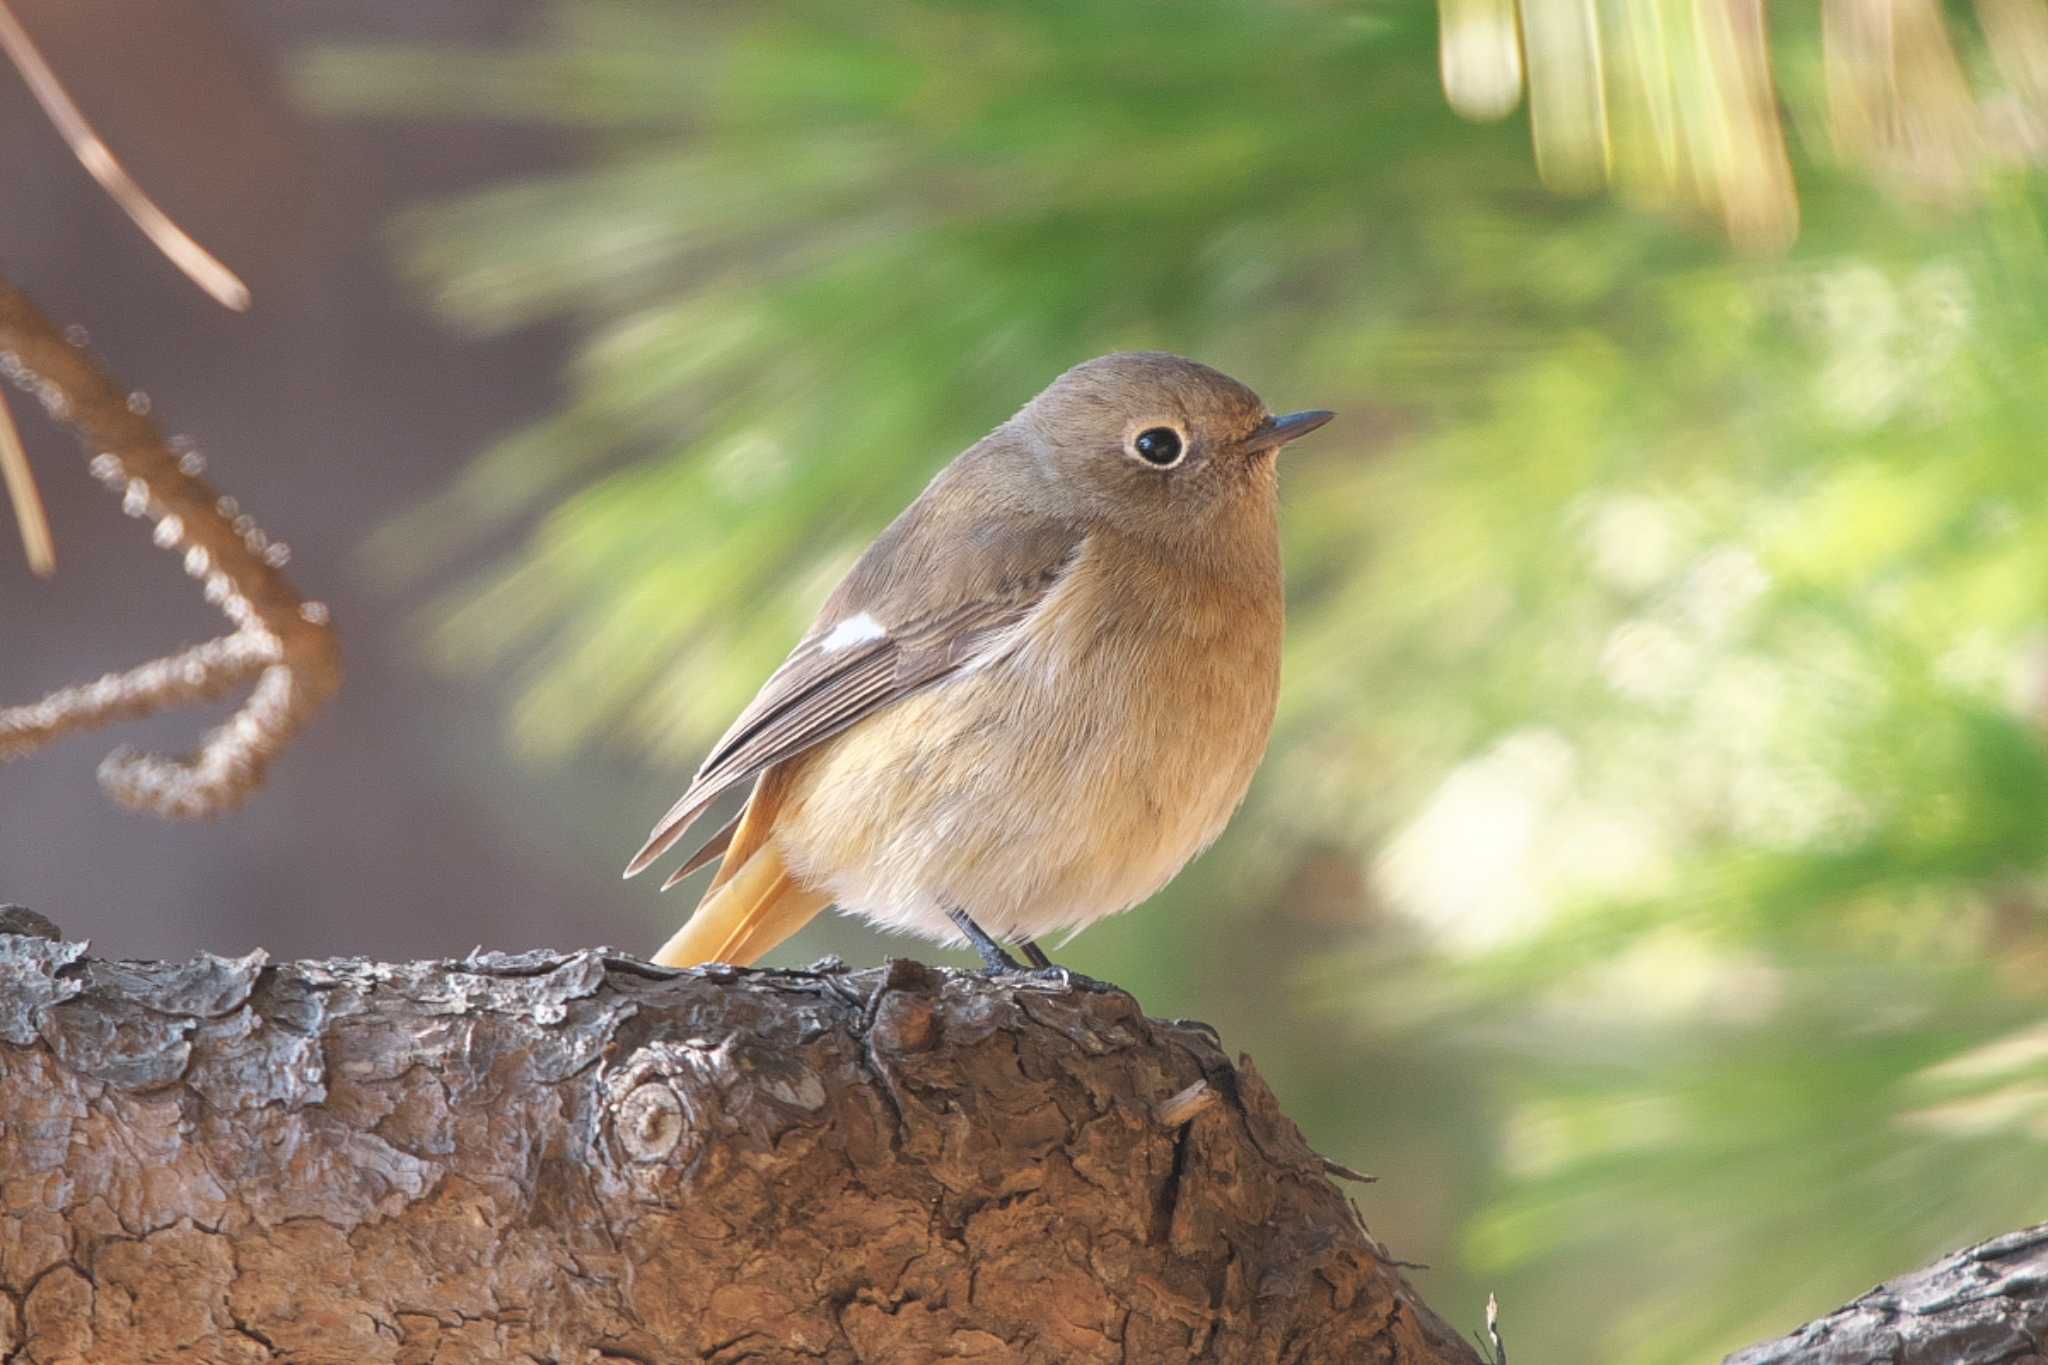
<point>1646,877</point>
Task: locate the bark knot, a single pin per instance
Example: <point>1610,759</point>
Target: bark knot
<point>656,1112</point>
<point>650,1121</point>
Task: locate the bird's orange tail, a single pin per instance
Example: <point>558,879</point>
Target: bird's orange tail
<point>756,907</point>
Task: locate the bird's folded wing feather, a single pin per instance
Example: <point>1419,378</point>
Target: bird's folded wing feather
<point>909,615</point>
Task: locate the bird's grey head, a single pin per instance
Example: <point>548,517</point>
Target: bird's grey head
<point>1146,439</point>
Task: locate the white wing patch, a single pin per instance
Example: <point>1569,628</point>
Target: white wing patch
<point>854,630</point>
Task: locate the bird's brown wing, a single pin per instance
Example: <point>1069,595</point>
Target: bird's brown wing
<point>909,615</point>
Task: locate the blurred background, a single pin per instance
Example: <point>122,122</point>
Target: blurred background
<point>1646,880</point>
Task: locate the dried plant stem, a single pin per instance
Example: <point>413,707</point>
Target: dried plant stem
<point>282,640</point>
<point>20,482</point>
<point>199,264</point>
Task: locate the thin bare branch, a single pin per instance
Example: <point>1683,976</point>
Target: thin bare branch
<point>199,264</point>
<point>281,639</point>
<point>20,481</point>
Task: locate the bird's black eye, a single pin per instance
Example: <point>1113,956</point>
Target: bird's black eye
<point>1158,445</point>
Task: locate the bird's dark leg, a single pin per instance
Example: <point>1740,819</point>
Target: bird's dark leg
<point>1033,954</point>
<point>992,955</point>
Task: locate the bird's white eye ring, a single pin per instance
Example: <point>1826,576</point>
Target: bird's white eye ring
<point>1160,445</point>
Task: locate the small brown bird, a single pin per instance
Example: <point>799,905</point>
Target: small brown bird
<point>1041,691</point>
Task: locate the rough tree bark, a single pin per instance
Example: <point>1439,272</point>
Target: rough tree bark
<point>1987,1305</point>
<point>575,1158</point>
<point>583,1158</point>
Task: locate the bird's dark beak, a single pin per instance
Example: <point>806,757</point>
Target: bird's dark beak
<point>1278,431</point>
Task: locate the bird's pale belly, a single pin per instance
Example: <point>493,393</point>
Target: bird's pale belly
<point>996,794</point>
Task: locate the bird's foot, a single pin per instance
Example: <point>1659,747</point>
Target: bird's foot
<point>994,960</point>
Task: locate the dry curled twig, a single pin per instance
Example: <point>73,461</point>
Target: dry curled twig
<point>281,640</point>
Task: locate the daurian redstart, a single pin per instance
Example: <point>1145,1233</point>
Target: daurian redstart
<point>1039,693</point>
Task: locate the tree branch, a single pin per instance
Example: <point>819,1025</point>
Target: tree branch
<point>1986,1305</point>
<point>584,1158</point>
<point>581,1157</point>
